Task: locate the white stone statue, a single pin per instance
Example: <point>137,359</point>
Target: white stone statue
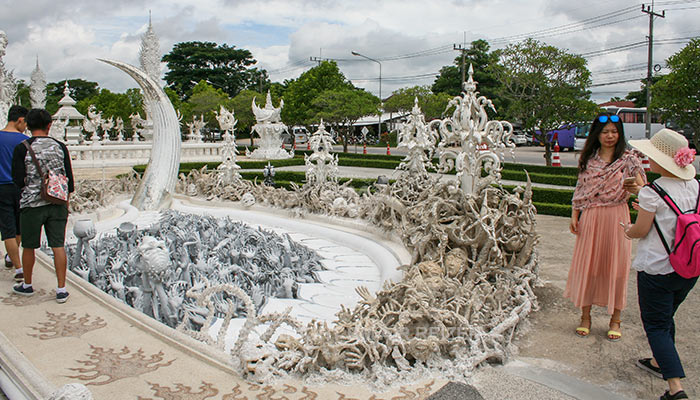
<point>58,129</point>
<point>321,166</point>
<point>228,168</point>
<point>107,126</point>
<point>37,87</point>
<point>195,128</point>
<point>119,128</point>
<point>92,123</point>
<point>269,127</point>
<point>469,128</point>
<point>416,137</point>
<point>8,86</point>
<point>137,124</point>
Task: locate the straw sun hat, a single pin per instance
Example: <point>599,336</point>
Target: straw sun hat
<point>670,150</point>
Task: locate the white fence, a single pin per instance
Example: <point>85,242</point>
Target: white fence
<point>127,154</point>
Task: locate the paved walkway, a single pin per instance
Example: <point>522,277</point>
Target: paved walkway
<point>120,354</point>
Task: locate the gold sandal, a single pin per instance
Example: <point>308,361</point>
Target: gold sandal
<point>582,331</point>
<point>614,335</point>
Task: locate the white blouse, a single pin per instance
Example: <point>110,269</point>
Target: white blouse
<point>651,256</point>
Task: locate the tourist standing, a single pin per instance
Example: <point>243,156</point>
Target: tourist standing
<point>35,212</point>
<point>660,288</point>
<point>602,254</point>
<point>10,136</point>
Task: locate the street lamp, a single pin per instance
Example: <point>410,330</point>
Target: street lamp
<point>379,124</point>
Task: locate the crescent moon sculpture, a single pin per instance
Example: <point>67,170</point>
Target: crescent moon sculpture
<point>161,174</point>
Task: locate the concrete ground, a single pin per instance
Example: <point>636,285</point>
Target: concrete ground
<point>551,361</point>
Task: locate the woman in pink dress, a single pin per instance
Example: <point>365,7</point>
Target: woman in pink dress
<point>601,259</point>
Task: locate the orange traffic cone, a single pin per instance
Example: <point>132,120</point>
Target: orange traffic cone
<point>556,162</point>
<point>282,145</point>
<point>295,145</point>
<point>308,145</point>
<point>364,148</point>
<point>388,150</point>
<point>645,164</point>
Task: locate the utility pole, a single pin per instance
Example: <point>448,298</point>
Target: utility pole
<point>650,10</point>
<point>319,59</point>
<point>462,48</point>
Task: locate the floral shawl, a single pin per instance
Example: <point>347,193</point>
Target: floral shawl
<point>600,184</point>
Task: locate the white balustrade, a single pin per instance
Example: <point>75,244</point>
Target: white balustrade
<point>114,155</point>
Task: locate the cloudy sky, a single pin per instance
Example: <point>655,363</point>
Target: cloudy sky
<point>412,39</point>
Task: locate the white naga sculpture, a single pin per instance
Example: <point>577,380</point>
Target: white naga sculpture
<point>93,123</point>
<point>321,165</point>
<point>269,127</point>
<point>195,128</point>
<point>37,87</point>
<point>416,137</point>
<point>161,174</point>
<point>8,86</point>
<point>469,129</point>
<point>228,167</point>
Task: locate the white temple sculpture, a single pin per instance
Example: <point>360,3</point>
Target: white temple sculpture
<point>119,128</point>
<point>321,165</point>
<point>416,137</point>
<point>161,174</point>
<point>58,129</point>
<point>228,167</point>
<point>469,129</point>
<point>269,127</point>
<point>92,124</point>
<point>149,58</point>
<point>195,128</point>
<point>8,86</point>
<point>73,131</point>
<point>137,126</point>
<point>107,126</point>
<point>37,87</point>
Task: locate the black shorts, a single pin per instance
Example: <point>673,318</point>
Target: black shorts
<point>52,217</point>
<point>9,211</point>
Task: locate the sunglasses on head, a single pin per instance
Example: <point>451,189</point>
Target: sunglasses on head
<point>604,118</point>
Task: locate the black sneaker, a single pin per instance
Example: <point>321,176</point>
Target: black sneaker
<point>668,396</point>
<point>645,364</point>
<point>8,262</point>
<point>20,289</point>
<point>19,277</point>
<point>61,297</point>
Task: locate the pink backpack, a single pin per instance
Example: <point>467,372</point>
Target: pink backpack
<point>685,256</point>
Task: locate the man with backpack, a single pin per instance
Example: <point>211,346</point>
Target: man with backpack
<point>33,162</point>
<point>668,254</point>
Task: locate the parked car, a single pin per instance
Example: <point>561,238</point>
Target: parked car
<point>519,138</point>
<point>300,134</point>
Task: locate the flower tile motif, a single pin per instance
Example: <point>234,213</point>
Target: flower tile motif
<point>40,296</point>
<point>66,325</point>
<point>116,365</point>
<point>182,392</point>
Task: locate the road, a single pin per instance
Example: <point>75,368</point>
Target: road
<point>523,155</point>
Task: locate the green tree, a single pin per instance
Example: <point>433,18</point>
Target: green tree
<point>79,89</point>
<point>639,97</point>
<point>342,107</point>
<point>114,105</point>
<point>22,97</point>
<point>302,91</point>
<point>485,64</point>
<point>432,104</point>
<point>677,95</point>
<point>204,101</point>
<point>545,87</point>
<point>223,66</point>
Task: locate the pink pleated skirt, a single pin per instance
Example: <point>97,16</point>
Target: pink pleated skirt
<point>601,260</point>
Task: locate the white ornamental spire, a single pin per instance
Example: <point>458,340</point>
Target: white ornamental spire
<point>37,87</point>
<point>149,55</point>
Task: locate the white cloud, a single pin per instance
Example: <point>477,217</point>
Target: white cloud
<point>282,35</point>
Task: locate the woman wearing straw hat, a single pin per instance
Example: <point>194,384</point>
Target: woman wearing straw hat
<point>602,255</point>
<point>661,290</point>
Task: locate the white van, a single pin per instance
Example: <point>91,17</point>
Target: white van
<point>300,134</point>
